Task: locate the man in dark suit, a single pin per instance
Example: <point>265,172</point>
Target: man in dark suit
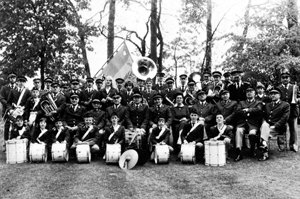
<point>159,86</point>
<point>183,81</point>
<point>119,82</point>
<point>118,109</point>
<point>88,93</point>
<point>276,115</point>
<point>226,107</point>
<point>248,119</point>
<point>127,93</point>
<point>238,88</point>
<point>148,93</point>
<point>287,90</point>
<point>169,92</point>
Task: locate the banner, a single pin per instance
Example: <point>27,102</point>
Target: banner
<point>120,65</point>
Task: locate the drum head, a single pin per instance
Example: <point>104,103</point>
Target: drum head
<point>128,159</point>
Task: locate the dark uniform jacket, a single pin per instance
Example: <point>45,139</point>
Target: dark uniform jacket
<point>70,116</point>
<point>46,137</point>
<point>138,116</point>
<point>157,112</point>
<point>252,118</point>
<point>99,117</point>
<point>14,95</point>
<point>4,93</point>
<point>168,93</point>
<point>64,135</point>
<point>122,113</point>
<point>159,88</point>
<point>148,95</point>
<point>30,106</point>
<point>87,97</point>
<point>126,97</point>
<point>197,134</point>
<point>178,113</point>
<point>118,137</point>
<point>206,111</point>
<point>214,131</point>
<point>16,131</point>
<point>227,109</point>
<point>154,139</point>
<point>277,114</point>
<point>238,94</point>
<point>92,137</point>
<point>287,95</point>
<point>103,94</point>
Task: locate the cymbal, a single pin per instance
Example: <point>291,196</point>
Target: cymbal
<point>128,159</point>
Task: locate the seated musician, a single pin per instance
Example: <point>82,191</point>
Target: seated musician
<point>88,133</point>
<point>226,107</point>
<point>20,131</point>
<point>248,119</point>
<point>276,115</point>
<point>193,133</point>
<point>119,109</point>
<point>41,135</point>
<point>159,135</point>
<point>115,133</point>
<point>221,131</point>
<point>60,134</point>
<point>98,114</point>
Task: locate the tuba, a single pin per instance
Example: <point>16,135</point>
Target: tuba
<point>144,68</point>
<point>48,105</point>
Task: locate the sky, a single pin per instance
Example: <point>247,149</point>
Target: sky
<point>134,18</point>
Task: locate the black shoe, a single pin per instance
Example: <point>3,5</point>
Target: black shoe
<point>238,155</point>
<point>264,157</point>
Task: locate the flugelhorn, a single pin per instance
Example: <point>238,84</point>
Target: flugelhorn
<point>144,68</point>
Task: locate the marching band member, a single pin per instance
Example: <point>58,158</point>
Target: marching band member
<point>221,131</point>
<point>60,134</point>
<point>75,88</point>
<point>159,110</point>
<point>248,119</point>
<point>41,134</point>
<point>127,93</point>
<point>98,114</point>
<point>140,85</point>
<point>190,98</point>
<point>180,115</point>
<point>4,93</point>
<point>148,92</point>
<point>20,131</point>
<point>119,109</point>
<point>238,88</point>
<point>276,115</point>
<point>138,113</point>
<point>37,84</point>
<point>193,133</point>
<point>99,84</point>
<point>206,111</point>
<point>57,96</point>
<point>183,81</point>
<point>159,135</point>
<point>260,94</point>
<point>119,82</point>
<point>107,93</point>
<point>226,107</point>
<point>47,85</point>
<point>227,80</point>
<point>114,133</point>
<point>206,83</point>
<point>32,107</point>
<point>87,133</point>
<point>289,94</point>
<point>168,93</point>
<point>88,93</point>
<point>159,86</point>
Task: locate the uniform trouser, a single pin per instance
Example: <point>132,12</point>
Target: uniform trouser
<point>292,123</point>
<point>6,129</point>
<point>239,135</point>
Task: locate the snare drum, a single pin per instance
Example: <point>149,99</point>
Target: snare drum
<point>215,153</point>
<point>161,153</point>
<point>188,153</point>
<point>113,153</point>
<point>16,151</point>
<point>59,152</point>
<point>37,152</point>
<point>83,152</point>
<point>133,139</point>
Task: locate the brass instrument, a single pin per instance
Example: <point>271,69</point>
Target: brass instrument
<point>144,68</point>
<point>48,105</point>
<point>294,96</point>
<point>189,99</point>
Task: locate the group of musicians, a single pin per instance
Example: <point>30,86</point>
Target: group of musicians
<point>244,116</point>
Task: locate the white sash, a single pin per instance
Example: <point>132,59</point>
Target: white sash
<point>115,130</point>
<point>87,132</point>
<point>193,128</point>
<point>21,96</point>
<point>21,131</point>
<point>160,133</point>
<point>36,103</point>
<point>222,130</point>
<point>42,133</point>
<point>58,133</point>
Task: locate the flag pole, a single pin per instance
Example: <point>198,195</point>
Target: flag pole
<point>110,57</point>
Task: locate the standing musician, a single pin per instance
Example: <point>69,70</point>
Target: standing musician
<point>118,109</point>
<point>148,93</point>
<point>193,133</point>
<point>159,110</point>
<point>75,88</point>
<point>206,83</point>
<point>88,93</point>
<point>169,92</point>
<point>37,84</point>
<point>138,113</point>
<point>107,93</point>
<point>276,115</point>
<point>180,115</point>
<point>127,93</point>
<point>261,94</point>
<point>4,93</point>
<point>47,87</point>
<point>140,85</point>
<point>87,133</point>
<point>226,107</point>
<point>227,81</point>
<point>248,119</point>
<point>32,106</point>
<point>289,94</point>
<point>238,88</point>
<point>190,98</point>
<point>99,84</point>
<point>205,110</point>
<point>119,82</point>
<point>183,81</point>
<point>159,86</point>
<point>57,96</point>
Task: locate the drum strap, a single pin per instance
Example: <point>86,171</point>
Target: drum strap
<point>36,102</point>
<point>115,130</point>
<point>42,133</point>
<point>222,130</point>
<point>87,132</point>
<point>193,128</point>
<point>22,131</point>
<point>58,133</point>
<point>160,133</point>
<point>21,96</point>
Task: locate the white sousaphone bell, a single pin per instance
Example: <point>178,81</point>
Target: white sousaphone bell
<point>144,68</point>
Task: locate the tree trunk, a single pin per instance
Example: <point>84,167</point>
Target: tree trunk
<point>153,30</point>
<point>110,34</point>
<point>161,40</point>
<point>84,54</point>
<point>42,65</point>
<point>292,14</point>
<point>208,37</point>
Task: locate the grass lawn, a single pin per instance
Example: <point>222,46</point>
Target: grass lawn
<point>279,177</point>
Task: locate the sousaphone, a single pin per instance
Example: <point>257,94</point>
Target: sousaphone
<point>144,68</point>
